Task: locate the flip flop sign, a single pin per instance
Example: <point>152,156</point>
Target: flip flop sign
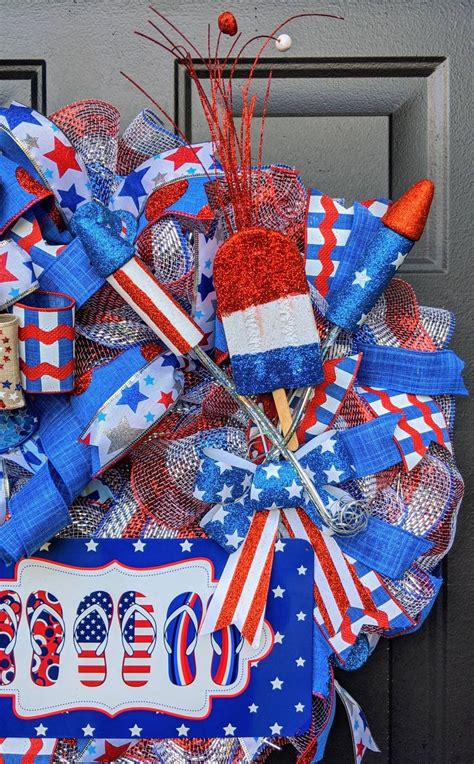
<point>104,634</point>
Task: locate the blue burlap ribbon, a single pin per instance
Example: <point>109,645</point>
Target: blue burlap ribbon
<point>411,371</point>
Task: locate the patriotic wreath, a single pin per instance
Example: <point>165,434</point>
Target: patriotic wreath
<point>164,290</point>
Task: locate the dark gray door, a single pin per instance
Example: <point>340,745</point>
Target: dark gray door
<point>364,106</point>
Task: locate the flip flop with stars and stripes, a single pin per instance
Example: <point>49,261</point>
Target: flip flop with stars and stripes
<point>10,614</point>
<point>181,635</point>
<point>47,636</point>
<point>138,637</point>
<point>91,635</point>
<point>226,645</point>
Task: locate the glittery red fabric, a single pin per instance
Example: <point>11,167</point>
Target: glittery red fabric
<point>164,197</point>
<point>256,266</point>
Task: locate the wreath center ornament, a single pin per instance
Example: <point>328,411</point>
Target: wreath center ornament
<point>195,347</point>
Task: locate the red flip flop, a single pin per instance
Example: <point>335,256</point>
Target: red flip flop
<point>10,614</point>
<point>47,634</point>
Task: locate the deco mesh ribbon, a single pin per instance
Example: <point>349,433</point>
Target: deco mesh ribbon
<point>150,445</point>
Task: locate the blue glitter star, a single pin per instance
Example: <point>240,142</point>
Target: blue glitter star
<point>133,187</point>
<point>149,380</point>
<point>70,198</point>
<point>131,397</point>
<point>150,417</point>
<point>15,115</point>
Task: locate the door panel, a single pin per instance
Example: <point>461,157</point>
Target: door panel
<point>365,107</point>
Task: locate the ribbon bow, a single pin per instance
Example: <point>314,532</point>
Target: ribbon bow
<point>251,501</point>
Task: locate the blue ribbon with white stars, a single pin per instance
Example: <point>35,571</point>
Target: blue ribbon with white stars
<point>238,488</point>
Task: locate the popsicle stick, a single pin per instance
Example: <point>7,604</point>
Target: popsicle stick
<point>284,415</point>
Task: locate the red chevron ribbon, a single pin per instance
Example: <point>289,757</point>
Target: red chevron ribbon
<point>42,369</point>
<point>32,332</point>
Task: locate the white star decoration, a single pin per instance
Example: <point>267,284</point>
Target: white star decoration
<point>199,495</point>
<point>361,278</point>
<point>301,616</point>
<point>333,474</point>
<point>294,490</point>
<point>299,707</point>
<point>91,545</point>
<point>279,638</point>
<point>310,473</point>
<point>226,492</point>
<point>300,662</point>
<point>246,482</point>
<point>362,319</point>
<point>45,547</point>
<point>223,467</point>
<point>220,515</point>
<point>41,730</point>
<point>328,445</point>
<point>182,731</point>
<point>255,493</point>
<point>301,570</point>
<point>400,259</point>
<point>233,539</point>
<point>279,546</point>
<point>276,728</point>
<point>272,470</point>
<point>186,546</point>
<point>229,730</point>
<point>278,592</point>
<point>276,683</point>
<point>253,708</point>
<point>88,730</point>
<point>135,731</point>
<point>139,546</point>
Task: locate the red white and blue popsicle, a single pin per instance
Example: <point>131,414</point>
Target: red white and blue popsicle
<point>264,302</point>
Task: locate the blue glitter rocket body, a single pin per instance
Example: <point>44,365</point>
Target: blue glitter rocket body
<point>361,290</point>
<point>402,225</point>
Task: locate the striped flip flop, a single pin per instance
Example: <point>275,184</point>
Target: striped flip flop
<point>226,644</point>
<point>47,636</point>
<point>180,637</point>
<point>10,614</point>
<point>138,637</point>
<point>91,634</point>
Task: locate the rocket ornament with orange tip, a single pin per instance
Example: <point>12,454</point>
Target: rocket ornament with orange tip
<point>402,226</point>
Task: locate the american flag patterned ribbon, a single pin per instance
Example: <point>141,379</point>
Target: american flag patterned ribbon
<point>335,235</point>
<point>243,489</point>
<point>46,336</point>
<point>110,249</point>
<point>421,421</point>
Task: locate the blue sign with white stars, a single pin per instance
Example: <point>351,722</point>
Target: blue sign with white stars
<point>100,638</point>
